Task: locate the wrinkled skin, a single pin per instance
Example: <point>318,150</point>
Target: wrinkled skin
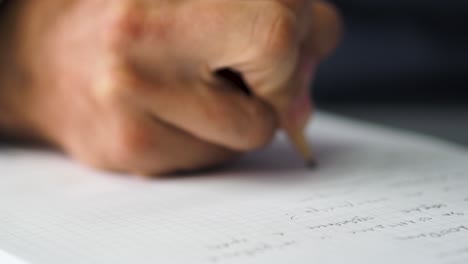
<point>128,85</point>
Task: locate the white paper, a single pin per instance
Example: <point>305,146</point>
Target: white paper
<point>379,196</point>
<point>6,258</point>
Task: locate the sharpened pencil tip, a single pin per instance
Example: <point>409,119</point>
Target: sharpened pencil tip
<point>311,164</point>
<point>299,141</point>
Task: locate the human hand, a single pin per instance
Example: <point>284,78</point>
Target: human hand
<point>130,86</point>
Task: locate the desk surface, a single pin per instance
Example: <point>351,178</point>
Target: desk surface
<point>449,122</point>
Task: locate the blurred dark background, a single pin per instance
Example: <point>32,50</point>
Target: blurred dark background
<point>402,63</point>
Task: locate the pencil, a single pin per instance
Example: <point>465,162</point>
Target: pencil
<point>300,143</point>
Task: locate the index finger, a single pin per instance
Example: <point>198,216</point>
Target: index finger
<point>259,39</point>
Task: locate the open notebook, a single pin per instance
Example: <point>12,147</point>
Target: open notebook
<point>379,196</point>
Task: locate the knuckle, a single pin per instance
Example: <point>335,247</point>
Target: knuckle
<point>117,85</point>
<point>122,25</point>
<point>129,148</point>
<point>158,25</point>
<point>132,23</point>
<point>275,30</point>
<point>108,88</point>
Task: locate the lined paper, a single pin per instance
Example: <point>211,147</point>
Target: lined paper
<point>379,196</point>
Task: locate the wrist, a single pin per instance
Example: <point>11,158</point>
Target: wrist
<point>9,74</point>
<point>16,82</point>
<point>26,77</point>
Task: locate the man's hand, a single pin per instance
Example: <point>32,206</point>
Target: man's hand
<point>129,85</point>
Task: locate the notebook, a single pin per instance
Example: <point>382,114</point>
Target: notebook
<point>378,196</point>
